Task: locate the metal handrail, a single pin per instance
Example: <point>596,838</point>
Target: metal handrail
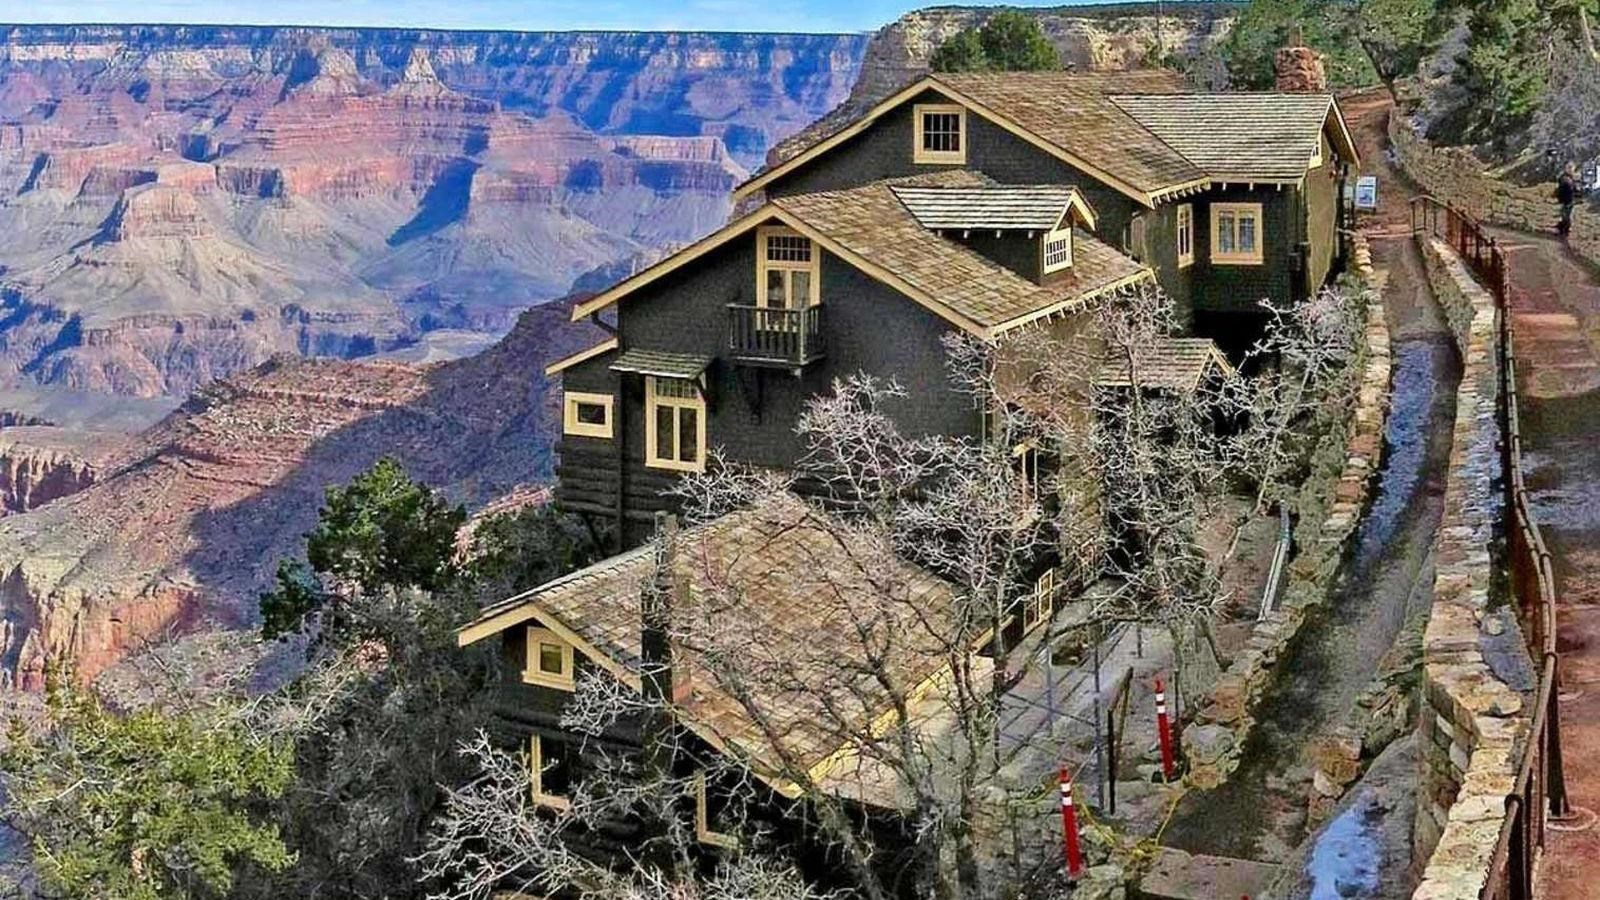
<point>1540,787</point>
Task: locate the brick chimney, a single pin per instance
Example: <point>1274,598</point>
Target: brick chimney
<point>1299,68</point>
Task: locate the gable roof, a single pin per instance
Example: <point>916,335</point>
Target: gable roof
<point>1177,364</point>
<point>1075,117</point>
<point>871,229</point>
<point>818,611</point>
<point>1038,207</point>
<point>1268,136</point>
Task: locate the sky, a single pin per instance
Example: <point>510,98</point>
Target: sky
<point>521,15</point>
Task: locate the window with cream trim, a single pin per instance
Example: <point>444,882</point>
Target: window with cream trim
<point>702,817</point>
<point>587,415</point>
<point>675,424</point>
<point>1057,249</point>
<point>1236,233</point>
<point>547,660</point>
<point>550,771</point>
<point>941,133</point>
<point>1185,235</point>
<point>788,274</point>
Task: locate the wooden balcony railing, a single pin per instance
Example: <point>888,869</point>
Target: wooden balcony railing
<point>782,338</point>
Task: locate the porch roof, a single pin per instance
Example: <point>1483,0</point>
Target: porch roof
<point>661,363</point>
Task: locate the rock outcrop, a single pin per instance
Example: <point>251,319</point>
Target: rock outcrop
<point>183,526</point>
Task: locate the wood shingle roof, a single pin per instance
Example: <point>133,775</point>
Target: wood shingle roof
<point>1074,112</point>
<point>1174,364</point>
<point>818,613</point>
<point>1141,132</point>
<point>1037,207</point>
<point>873,224</point>
<point>1260,136</point>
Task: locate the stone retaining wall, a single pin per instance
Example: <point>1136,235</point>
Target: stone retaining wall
<point>1470,723</point>
<point>1211,746</point>
<point>1455,176</point>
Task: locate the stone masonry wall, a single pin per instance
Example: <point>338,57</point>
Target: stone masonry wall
<point>1330,510</point>
<point>1457,177</point>
<point>1471,723</point>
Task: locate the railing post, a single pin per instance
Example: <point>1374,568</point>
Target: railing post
<point>1554,772</point>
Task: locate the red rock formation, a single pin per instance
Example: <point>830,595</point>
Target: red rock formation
<point>1299,69</point>
<point>182,527</point>
<point>179,204</point>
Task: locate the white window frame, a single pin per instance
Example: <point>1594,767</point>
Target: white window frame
<point>813,267</point>
<point>652,401</point>
<point>536,777</point>
<point>570,424</point>
<point>702,818</point>
<point>1055,235</point>
<point>1185,233</point>
<point>533,672</point>
<point>1236,257</point>
<point>938,157</point>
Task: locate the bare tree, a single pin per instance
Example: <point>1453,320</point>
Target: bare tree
<point>1101,451</point>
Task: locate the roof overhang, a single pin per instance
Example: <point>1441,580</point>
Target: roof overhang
<point>927,83</point>
<point>766,213</point>
<point>1343,142</point>
<point>568,362</point>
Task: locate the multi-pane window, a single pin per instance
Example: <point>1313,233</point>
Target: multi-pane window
<point>675,424</point>
<point>941,133</point>
<point>1057,248</point>
<point>787,275</point>
<point>550,771</point>
<point>587,415</point>
<point>549,660</point>
<point>1185,234</point>
<point>1036,606</point>
<point>1236,233</point>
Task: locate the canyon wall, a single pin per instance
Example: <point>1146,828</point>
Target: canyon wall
<point>180,203</point>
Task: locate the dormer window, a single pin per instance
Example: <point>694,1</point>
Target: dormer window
<point>1057,249</point>
<point>941,133</point>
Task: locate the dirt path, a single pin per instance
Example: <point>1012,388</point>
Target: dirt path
<point>1337,652</point>
<point>1556,314</point>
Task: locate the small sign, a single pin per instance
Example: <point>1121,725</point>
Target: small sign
<point>1367,192</point>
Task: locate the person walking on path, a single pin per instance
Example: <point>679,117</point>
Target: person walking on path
<point>1567,196</point>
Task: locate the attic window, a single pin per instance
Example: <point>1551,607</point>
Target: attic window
<point>1057,249</point>
<point>548,661</point>
<point>941,133</point>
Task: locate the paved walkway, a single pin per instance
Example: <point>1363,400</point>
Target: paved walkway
<point>1556,314</point>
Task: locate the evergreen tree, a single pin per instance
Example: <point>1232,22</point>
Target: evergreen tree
<point>962,52</point>
<point>1013,42</point>
<point>1010,41</point>
<point>146,806</point>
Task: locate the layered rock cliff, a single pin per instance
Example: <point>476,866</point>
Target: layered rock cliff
<point>183,526</point>
<point>179,203</point>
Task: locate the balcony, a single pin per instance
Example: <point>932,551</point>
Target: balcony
<point>775,338</point>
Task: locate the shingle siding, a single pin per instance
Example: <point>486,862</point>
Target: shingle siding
<point>752,413</point>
